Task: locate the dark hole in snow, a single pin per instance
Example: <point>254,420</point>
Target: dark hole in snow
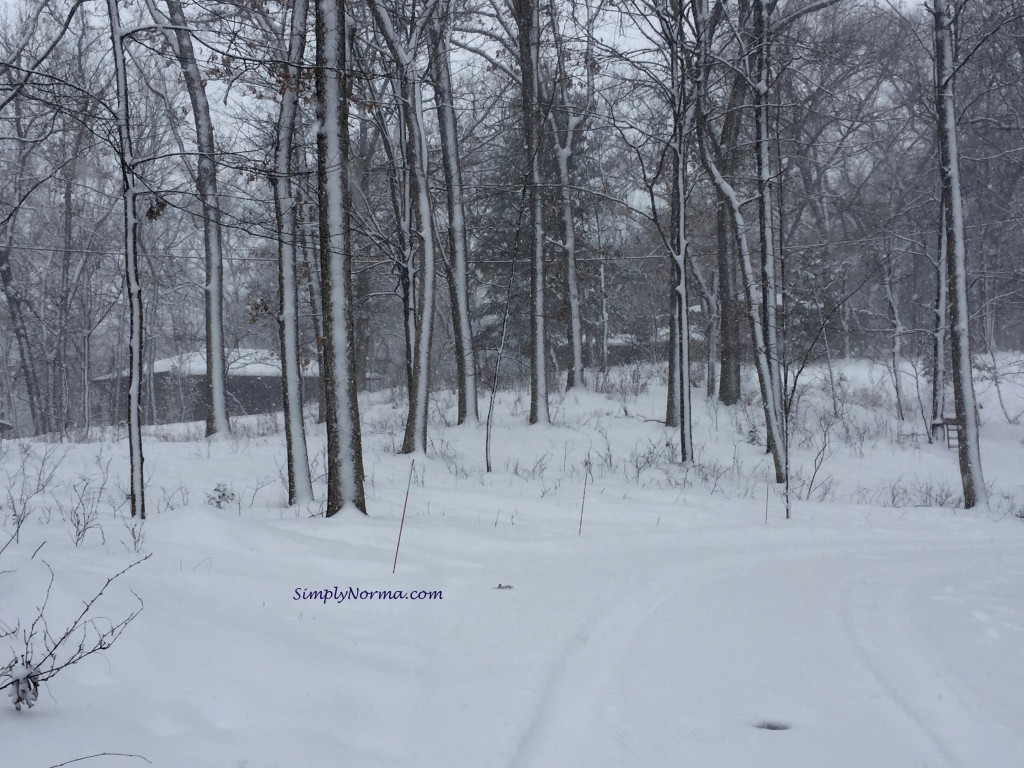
<point>772,725</point>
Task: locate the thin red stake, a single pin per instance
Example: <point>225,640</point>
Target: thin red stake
<point>583,502</point>
<point>402,524</point>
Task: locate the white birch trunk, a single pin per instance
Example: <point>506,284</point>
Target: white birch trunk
<point>131,240</point>
<point>969,450</point>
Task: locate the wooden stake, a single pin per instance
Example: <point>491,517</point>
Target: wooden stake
<point>586,473</point>
<point>402,524</point>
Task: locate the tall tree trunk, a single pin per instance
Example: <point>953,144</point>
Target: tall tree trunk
<point>563,153</point>
<point>62,400</point>
<point>402,205</point>
<point>300,487</point>
<point>730,349</point>
<point>969,450</point>
<point>344,446</point>
<point>129,181</point>
<point>674,395</point>
<point>180,39</point>
<point>769,397</point>
<point>527,17</point>
<point>418,205</point>
<point>310,262</point>
<point>941,321</point>
<point>730,294</point>
<point>765,183</point>
<point>458,245</point>
<point>416,148</point>
<point>897,333</point>
<point>679,246</point>
<point>604,319</point>
<point>17,303</point>
<point>712,330</point>
<point>764,373</point>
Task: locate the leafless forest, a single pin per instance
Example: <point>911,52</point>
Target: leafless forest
<point>485,194</point>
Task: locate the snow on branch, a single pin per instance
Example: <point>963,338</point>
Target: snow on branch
<point>45,653</point>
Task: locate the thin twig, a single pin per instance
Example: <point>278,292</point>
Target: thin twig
<point>404,506</point>
<point>101,754</point>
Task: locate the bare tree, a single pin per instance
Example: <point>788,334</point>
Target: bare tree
<point>527,20</point>
<point>344,445</point>
<point>567,118</point>
<point>130,182</point>
<point>770,397</point>
<point>403,49</point>
<point>286,207</point>
<point>176,31</point>
<point>457,268</point>
<point>975,492</point>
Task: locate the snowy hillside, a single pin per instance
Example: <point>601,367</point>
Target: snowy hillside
<point>681,621</point>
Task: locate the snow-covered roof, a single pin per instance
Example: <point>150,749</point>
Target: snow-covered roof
<point>241,362</point>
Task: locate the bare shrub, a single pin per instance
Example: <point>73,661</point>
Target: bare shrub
<point>80,509</point>
<point>534,472</point>
<point>192,432</point>
<point>624,384</point>
<point>44,652</point>
<point>645,457</point>
<point>136,533</point>
<point>606,459</point>
<point>443,450</point>
<point>31,475</point>
<point>826,423</point>
<point>936,493</point>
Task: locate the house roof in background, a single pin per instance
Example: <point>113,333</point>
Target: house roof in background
<point>241,362</point>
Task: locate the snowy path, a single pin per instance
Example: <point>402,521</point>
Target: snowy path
<point>838,643</point>
<point>874,640</point>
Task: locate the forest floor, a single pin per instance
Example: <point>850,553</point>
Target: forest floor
<point>686,623</point>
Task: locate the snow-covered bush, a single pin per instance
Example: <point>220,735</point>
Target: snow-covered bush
<point>24,686</point>
<point>220,496</point>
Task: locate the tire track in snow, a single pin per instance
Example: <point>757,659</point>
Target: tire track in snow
<point>572,695</point>
<point>575,691</point>
<point>557,733</point>
<point>930,697</point>
<point>885,679</point>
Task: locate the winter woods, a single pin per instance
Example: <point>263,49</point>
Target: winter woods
<point>730,190</point>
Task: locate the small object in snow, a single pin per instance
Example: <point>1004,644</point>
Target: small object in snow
<point>504,586</point>
<point>772,725</point>
<point>25,685</point>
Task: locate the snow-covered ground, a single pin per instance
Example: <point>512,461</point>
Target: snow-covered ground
<point>688,623</point>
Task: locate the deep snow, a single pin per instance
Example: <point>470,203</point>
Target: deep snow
<point>875,628</point>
